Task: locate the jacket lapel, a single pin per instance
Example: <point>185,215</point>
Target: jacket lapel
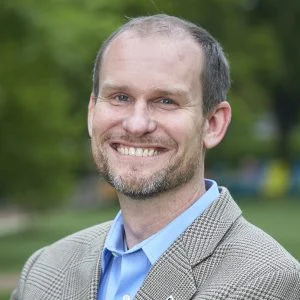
<point>82,278</point>
<point>172,275</point>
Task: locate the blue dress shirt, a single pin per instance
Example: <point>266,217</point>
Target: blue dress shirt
<point>123,270</point>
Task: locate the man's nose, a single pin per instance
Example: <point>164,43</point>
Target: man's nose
<point>139,121</point>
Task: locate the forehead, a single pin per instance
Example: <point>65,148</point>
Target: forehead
<point>176,44</point>
<point>154,58</point>
<point>166,33</point>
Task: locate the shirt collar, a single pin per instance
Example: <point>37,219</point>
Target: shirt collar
<point>157,244</point>
<point>162,240</point>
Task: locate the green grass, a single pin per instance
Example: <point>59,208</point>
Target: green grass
<point>45,229</point>
<point>4,295</point>
<point>279,219</point>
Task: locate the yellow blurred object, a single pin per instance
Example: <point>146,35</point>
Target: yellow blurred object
<point>277,179</point>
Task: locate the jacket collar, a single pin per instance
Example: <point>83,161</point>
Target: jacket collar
<point>172,275</point>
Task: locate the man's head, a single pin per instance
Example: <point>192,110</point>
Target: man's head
<point>146,118</point>
<point>215,76</point>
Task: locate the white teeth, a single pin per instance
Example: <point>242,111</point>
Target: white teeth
<point>137,151</point>
<point>131,151</point>
<point>122,150</point>
<point>145,153</point>
<point>150,152</point>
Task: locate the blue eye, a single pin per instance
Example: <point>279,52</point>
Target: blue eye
<point>122,98</point>
<point>166,104</point>
<point>166,101</point>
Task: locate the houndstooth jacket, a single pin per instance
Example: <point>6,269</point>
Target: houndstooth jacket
<point>219,256</point>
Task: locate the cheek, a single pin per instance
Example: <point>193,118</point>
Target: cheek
<point>185,129</point>
<point>104,119</point>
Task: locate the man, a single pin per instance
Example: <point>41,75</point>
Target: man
<point>158,103</point>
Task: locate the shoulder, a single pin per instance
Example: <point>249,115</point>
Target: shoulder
<point>247,263</point>
<point>85,236</point>
<point>258,267</point>
<point>253,265</point>
<point>49,264</point>
<point>279,284</point>
<point>76,244</point>
<point>256,249</point>
<point>246,245</point>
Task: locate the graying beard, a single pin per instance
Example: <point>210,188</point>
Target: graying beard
<point>145,189</point>
<point>160,183</point>
<point>152,187</point>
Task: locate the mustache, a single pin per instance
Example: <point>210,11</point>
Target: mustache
<point>157,140</point>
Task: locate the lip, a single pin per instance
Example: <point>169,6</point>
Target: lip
<point>115,145</point>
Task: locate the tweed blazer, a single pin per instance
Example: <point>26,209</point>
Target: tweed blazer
<point>219,256</point>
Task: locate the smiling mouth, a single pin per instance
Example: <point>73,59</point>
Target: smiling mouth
<point>138,151</point>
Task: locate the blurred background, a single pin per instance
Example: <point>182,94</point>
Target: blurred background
<point>48,184</point>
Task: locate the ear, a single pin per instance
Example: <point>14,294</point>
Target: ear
<point>216,125</point>
<point>91,114</point>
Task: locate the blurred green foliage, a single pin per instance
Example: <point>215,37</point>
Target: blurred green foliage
<point>46,57</point>
<point>5,295</point>
<point>47,51</point>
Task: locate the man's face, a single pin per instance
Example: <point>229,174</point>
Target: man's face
<point>146,126</point>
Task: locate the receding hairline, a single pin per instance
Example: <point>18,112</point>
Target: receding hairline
<point>176,33</point>
<point>214,76</point>
<point>173,34</point>
<point>159,25</point>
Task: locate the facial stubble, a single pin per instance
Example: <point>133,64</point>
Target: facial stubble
<point>178,171</point>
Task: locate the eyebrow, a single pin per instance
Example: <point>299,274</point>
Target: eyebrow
<point>169,91</point>
<point>109,86</point>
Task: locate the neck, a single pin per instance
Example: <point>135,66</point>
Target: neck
<point>144,217</point>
